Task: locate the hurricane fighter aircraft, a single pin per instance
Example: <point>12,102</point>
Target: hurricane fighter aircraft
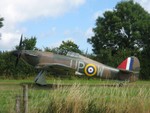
<point>81,65</point>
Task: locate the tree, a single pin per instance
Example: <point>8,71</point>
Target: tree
<point>8,69</point>
<point>1,23</point>
<point>29,43</point>
<point>124,29</point>
<point>68,46</point>
<point>53,50</point>
<point>7,61</point>
<point>64,48</point>
<point>121,28</point>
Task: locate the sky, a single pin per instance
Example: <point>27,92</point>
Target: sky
<point>53,21</point>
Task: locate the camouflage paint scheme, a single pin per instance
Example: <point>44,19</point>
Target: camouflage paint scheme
<point>81,65</point>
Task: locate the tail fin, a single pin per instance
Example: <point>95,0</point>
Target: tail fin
<point>131,65</point>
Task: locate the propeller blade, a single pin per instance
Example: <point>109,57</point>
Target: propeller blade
<point>18,53</point>
<point>20,44</point>
<point>17,60</point>
<point>18,57</point>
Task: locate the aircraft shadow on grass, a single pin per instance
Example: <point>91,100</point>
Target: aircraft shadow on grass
<point>56,86</point>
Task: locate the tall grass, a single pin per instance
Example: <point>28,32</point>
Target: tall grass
<point>86,99</point>
<point>80,99</point>
<point>7,97</point>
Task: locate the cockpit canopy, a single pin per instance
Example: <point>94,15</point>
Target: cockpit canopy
<point>73,54</point>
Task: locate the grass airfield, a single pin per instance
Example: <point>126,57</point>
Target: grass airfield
<point>78,96</point>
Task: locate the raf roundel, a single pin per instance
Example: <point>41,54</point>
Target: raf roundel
<point>90,70</point>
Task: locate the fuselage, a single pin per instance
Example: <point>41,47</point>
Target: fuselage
<point>80,64</point>
<point>127,70</point>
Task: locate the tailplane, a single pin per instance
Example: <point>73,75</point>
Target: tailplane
<point>129,69</point>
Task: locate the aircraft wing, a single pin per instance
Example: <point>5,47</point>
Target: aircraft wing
<point>54,66</point>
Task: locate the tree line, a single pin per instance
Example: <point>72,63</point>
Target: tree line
<point>123,32</point>
<point>119,33</point>
<point>24,70</point>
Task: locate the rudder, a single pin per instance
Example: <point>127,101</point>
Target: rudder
<point>130,64</point>
<point>129,69</point>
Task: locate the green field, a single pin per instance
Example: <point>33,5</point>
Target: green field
<point>78,96</point>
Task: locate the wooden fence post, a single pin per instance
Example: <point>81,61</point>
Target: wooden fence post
<point>25,98</point>
<point>18,104</point>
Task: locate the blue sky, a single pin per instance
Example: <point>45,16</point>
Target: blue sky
<point>73,25</point>
<point>52,21</point>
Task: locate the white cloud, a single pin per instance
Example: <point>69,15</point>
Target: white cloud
<point>50,32</point>
<point>89,33</point>
<point>97,14</point>
<point>145,4</point>
<point>76,32</point>
<point>58,43</point>
<point>100,13</point>
<point>17,11</point>
<point>22,10</point>
<point>7,43</point>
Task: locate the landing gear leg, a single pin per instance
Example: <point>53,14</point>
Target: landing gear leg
<point>40,78</point>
